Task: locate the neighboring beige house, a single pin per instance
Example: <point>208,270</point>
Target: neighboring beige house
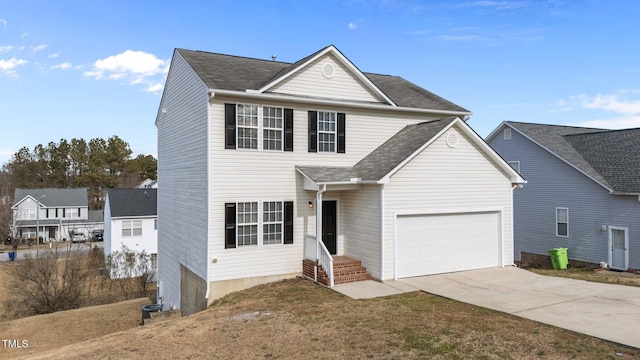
<point>57,213</point>
<point>272,170</point>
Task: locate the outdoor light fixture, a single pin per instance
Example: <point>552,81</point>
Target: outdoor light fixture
<point>310,204</point>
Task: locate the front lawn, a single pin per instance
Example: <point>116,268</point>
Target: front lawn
<point>296,319</point>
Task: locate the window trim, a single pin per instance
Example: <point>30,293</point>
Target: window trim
<point>558,222</point>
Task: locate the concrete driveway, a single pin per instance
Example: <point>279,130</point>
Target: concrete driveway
<point>610,312</point>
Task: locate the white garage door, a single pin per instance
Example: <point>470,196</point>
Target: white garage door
<point>441,243</point>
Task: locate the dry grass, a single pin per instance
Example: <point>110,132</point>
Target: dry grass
<point>296,319</point>
<point>46,333</point>
<point>609,277</point>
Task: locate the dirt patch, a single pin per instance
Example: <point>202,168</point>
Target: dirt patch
<point>297,319</point>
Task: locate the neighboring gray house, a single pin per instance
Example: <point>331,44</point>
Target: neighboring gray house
<point>271,170</point>
<point>58,212</point>
<point>582,193</point>
<point>131,219</point>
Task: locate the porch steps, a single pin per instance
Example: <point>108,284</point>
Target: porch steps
<point>345,270</point>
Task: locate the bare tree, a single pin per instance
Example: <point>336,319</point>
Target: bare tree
<point>50,282</point>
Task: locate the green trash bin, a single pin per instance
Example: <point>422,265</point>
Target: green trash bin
<point>559,258</point>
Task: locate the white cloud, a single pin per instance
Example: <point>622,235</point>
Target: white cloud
<point>38,48</point>
<point>54,56</point>
<point>8,67</point>
<point>63,66</point>
<point>352,26</point>
<point>154,88</point>
<point>5,48</point>
<point>624,106</point>
<point>4,23</point>
<point>133,67</point>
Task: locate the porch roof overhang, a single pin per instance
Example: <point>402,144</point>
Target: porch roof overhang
<point>333,177</point>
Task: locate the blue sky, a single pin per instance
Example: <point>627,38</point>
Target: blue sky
<point>89,69</point>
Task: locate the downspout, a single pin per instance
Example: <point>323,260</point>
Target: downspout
<point>321,191</point>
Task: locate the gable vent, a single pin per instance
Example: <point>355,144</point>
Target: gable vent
<point>328,70</point>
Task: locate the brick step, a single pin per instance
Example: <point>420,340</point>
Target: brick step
<point>349,270</point>
<point>343,279</point>
<point>345,270</point>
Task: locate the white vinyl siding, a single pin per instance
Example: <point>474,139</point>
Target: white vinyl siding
<point>361,216</point>
<point>343,85</point>
<point>241,176</point>
<point>562,222</point>
<point>437,181</point>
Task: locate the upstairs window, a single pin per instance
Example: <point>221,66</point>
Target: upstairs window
<point>515,165</point>
<point>272,128</point>
<point>258,127</point>
<point>507,133</point>
<point>247,126</point>
<point>326,132</point>
<point>131,228</point>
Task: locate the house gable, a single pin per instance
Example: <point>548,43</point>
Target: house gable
<point>329,76</point>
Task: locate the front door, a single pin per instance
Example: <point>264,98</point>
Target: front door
<point>619,242</point>
<point>329,225</point>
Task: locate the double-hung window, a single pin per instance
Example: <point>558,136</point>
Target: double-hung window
<point>562,221</point>
<point>131,228</point>
<point>258,223</point>
<point>258,127</point>
<point>247,223</point>
<point>247,126</point>
<point>271,222</point>
<point>272,128</point>
<point>326,131</point>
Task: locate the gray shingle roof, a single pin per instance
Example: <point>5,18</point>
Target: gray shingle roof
<point>55,197</point>
<point>611,157</point>
<point>133,202</point>
<point>228,72</point>
<point>384,158</point>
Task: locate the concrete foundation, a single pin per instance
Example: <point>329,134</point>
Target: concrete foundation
<point>193,290</point>
<point>219,289</point>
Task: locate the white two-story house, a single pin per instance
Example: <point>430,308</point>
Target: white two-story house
<point>131,221</point>
<point>272,170</point>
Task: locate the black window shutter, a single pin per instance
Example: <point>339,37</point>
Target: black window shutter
<point>341,133</point>
<point>288,129</point>
<point>230,226</point>
<point>313,131</point>
<point>288,222</point>
<point>230,126</point>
